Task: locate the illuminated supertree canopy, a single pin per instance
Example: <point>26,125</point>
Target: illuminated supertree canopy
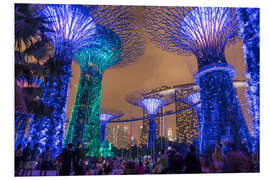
<point>204,31</point>
<point>249,19</point>
<point>151,103</point>
<point>106,115</point>
<point>71,26</point>
<point>116,43</point>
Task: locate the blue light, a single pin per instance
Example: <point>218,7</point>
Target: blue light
<point>70,23</point>
<point>193,98</point>
<point>222,115</point>
<point>203,31</point>
<point>72,26</point>
<point>152,105</point>
<point>249,19</point>
<point>104,118</point>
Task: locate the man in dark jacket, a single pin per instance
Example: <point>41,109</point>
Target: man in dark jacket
<point>79,156</point>
<point>67,159</point>
<point>191,162</point>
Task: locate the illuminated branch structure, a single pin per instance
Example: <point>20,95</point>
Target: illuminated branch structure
<point>249,19</point>
<point>71,26</point>
<point>151,103</point>
<point>106,116</point>
<point>116,43</point>
<point>204,32</point>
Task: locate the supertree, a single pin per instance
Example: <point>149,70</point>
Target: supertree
<point>116,43</point>
<point>69,27</point>
<point>106,115</point>
<point>151,103</point>
<point>204,31</point>
<point>249,19</point>
<point>194,98</point>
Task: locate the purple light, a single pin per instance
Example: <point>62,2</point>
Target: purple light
<point>104,118</point>
<point>71,23</point>
<point>152,105</point>
<point>192,99</point>
<point>207,22</point>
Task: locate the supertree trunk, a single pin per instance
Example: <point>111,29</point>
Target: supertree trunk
<point>49,130</point>
<point>102,132</point>
<point>249,19</point>
<point>222,114</point>
<point>84,122</point>
<point>152,131</point>
<point>200,123</point>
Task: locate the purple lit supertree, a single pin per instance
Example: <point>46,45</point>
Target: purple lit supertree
<point>151,103</point>
<point>70,27</point>
<point>106,115</point>
<point>249,19</point>
<point>204,31</point>
<point>194,98</point>
<point>116,43</point>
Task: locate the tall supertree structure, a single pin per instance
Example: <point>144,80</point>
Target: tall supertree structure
<point>106,115</point>
<point>249,19</point>
<point>158,120</point>
<point>151,102</point>
<point>205,32</point>
<point>194,98</point>
<point>116,43</point>
<point>70,26</point>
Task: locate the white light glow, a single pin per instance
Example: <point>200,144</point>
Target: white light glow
<point>152,105</point>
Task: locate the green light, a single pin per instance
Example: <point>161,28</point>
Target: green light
<point>102,52</point>
<point>105,149</point>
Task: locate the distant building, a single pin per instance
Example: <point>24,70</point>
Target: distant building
<point>186,122</point>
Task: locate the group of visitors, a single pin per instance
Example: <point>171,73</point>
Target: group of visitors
<point>73,161</point>
<point>28,158</point>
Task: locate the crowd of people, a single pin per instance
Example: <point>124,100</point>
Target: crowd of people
<point>73,161</point>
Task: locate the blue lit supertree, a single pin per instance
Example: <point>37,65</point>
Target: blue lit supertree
<point>116,43</point>
<point>249,19</point>
<point>205,32</point>
<point>71,26</point>
<point>151,102</point>
<point>106,115</point>
<point>194,98</point>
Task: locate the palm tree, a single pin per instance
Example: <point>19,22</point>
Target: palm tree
<point>32,49</point>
